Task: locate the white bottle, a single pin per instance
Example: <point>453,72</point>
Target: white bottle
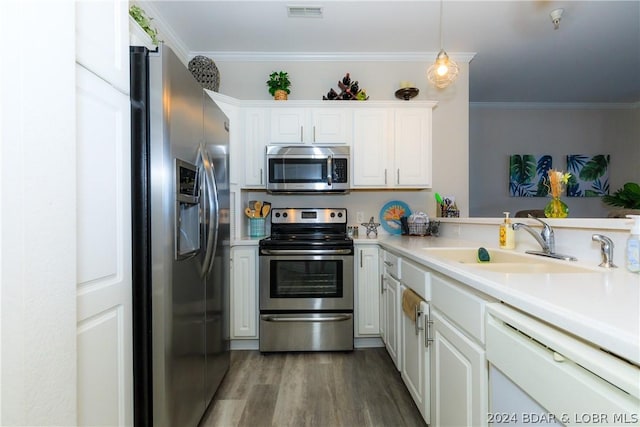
<point>633,245</point>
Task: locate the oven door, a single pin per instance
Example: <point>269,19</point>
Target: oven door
<point>293,174</point>
<point>300,280</point>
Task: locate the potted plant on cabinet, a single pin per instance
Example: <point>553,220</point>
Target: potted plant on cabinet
<point>279,85</point>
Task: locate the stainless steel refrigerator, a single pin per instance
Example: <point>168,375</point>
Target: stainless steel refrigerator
<point>181,241</point>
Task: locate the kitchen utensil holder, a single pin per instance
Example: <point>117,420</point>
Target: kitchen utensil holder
<point>256,227</point>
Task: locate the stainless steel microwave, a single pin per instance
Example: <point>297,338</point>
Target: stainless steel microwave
<point>307,169</point>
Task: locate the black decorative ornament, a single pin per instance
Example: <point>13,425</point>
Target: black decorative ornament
<point>205,72</point>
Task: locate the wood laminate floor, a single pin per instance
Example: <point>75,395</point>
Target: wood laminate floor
<point>359,388</point>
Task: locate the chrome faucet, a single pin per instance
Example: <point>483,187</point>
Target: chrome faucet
<point>546,239</point>
<point>606,250</point>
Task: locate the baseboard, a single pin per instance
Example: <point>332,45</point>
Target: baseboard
<point>245,344</point>
<point>368,342</point>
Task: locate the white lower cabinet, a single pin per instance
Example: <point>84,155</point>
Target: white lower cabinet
<point>459,372</point>
<point>244,292</point>
<point>415,357</point>
<point>391,308</point>
<point>367,279</point>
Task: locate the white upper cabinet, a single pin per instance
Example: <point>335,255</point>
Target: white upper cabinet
<point>102,40</point>
<point>412,148</point>
<point>372,135</point>
<point>310,125</point>
<point>255,142</point>
<point>392,147</point>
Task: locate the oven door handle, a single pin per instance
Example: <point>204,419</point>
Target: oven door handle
<point>331,318</point>
<point>306,251</point>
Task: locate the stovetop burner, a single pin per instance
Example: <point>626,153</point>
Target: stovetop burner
<point>312,227</point>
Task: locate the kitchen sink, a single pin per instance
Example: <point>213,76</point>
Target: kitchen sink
<point>508,262</point>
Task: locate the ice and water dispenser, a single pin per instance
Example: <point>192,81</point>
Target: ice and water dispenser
<point>187,210</point>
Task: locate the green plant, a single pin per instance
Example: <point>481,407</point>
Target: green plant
<point>145,22</point>
<point>627,197</point>
<point>278,81</point>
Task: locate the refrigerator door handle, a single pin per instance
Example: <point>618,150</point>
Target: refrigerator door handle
<point>213,220</point>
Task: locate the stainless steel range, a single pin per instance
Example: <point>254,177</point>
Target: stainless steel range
<point>306,282</point>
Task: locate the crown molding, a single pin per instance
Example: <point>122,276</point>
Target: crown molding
<point>219,56</point>
<point>555,105</point>
<point>165,32</point>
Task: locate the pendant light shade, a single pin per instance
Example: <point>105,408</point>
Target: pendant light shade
<point>444,70</point>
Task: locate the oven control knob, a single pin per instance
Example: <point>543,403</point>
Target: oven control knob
<point>284,215</point>
<point>333,215</point>
<point>277,214</point>
<point>339,214</point>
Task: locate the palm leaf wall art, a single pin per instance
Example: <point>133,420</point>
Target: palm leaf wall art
<point>589,175</point>
<point>527,173</point>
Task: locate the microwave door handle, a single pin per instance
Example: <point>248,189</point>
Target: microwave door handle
<point>329,171</point>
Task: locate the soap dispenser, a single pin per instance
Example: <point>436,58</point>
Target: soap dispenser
<point>507,234</point>
<point>633,246</point>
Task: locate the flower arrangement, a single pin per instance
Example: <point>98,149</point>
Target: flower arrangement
<point>556,183</point>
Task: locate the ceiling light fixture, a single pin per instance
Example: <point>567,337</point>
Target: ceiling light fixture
<point>444,70</point>
<point>556,17</point>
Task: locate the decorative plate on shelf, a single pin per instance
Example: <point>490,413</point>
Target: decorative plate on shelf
<point>390,216</point>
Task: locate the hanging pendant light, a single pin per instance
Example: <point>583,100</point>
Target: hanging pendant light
<point>444,70</point>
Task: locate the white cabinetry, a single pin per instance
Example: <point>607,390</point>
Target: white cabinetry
<point>392,147</point>
<point>415,337</point>
<point>372,134</point>
<point>244,292</point>
<point>103,212</point>
<point>459,374</point>
<point>253,151</point>
<point>412,148</point>
<point>415,357</point>
<point>390,305</point>
<point>310,125</point>
<point>367,290</point>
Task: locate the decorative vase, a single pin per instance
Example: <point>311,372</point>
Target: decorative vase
<point>556,208</point>
<point>280,95</point>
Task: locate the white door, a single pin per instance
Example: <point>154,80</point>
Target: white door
<point>371,139</point>
<point>412,148</point>
<point>104,253</point>
<point>103,212</point>
<point>253,148</point>
<point>244,292</point>
<point>458,377</point>
<point>415,358</point>
<point>287,125</point>
<point>392,311</point>
<point>368,309</point>
<point>331,126</point>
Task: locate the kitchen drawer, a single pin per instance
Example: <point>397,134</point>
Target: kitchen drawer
<point>416,278</point>
<point>392,264</point>
<point>461,306</point>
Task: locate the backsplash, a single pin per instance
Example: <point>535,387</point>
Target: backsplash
<point>368,202</point>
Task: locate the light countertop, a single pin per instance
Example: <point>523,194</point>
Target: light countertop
<point>601,307</point>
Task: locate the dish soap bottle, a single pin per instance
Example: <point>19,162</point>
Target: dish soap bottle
<point>633,245</point>
<point>507,234</point>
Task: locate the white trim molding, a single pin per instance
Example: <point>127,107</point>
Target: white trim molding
<point>220,56</point>
<point>555,105</point>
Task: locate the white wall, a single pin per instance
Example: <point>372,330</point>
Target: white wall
<point>37,215</point>
<point>311,80</point>
<point>497,132</point>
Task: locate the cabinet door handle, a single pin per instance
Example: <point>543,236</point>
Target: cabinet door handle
<point>360,258</point>
<point>314,134</point>
<point>398,179</point>
<point>385,177</point>
<point>301,133</point>
<point>382,283</point>
<point>261,176</point>
<point>427,333</point>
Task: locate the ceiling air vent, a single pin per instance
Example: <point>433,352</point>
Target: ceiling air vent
<point>304,11</point>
